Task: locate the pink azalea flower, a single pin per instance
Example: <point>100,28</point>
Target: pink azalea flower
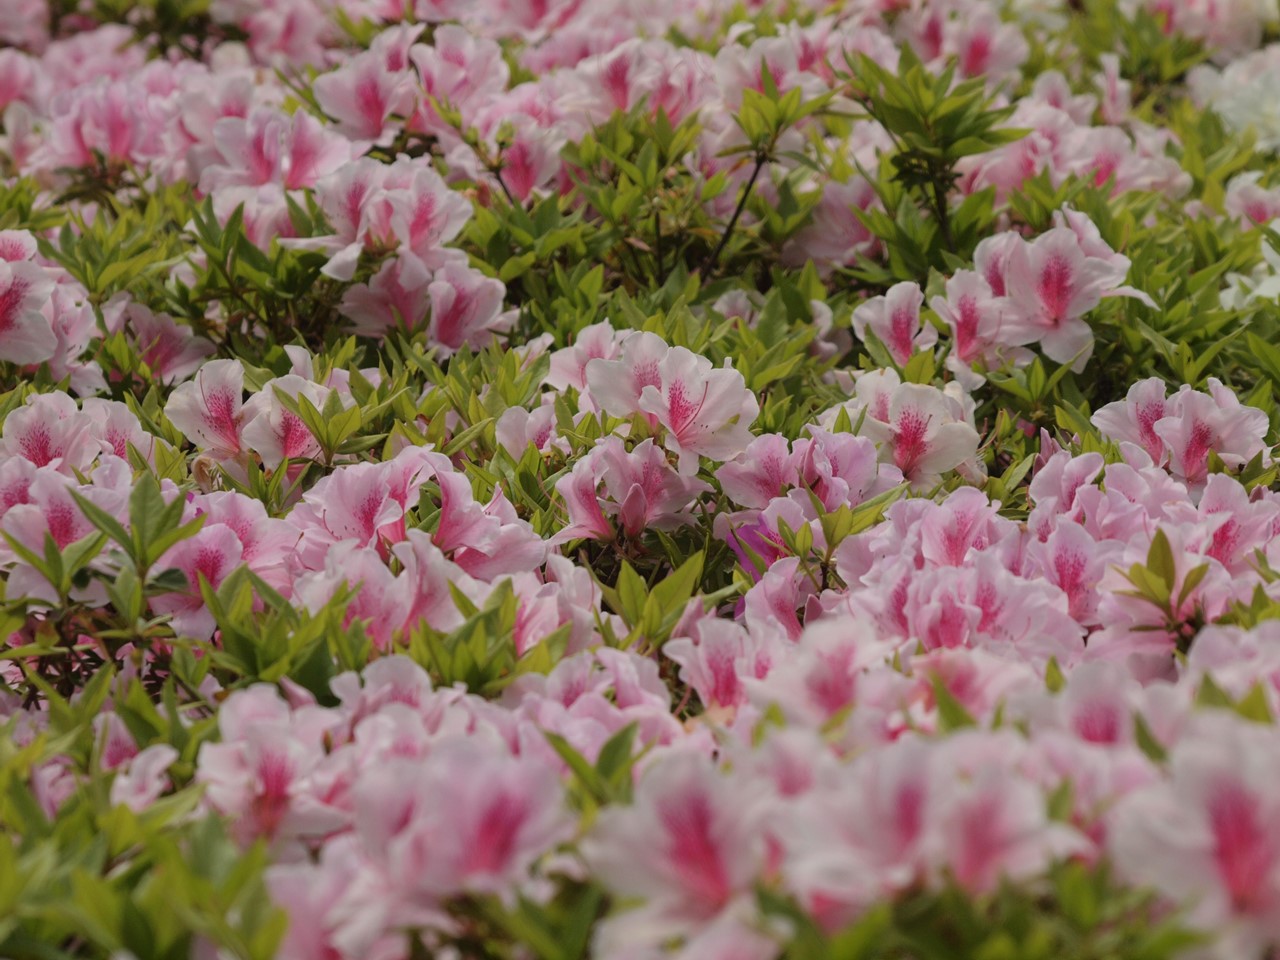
<point>1250,203</point>
<point>269,147</point>
<point>1007,168</point>
<point>383,207</point>
<point>260,775</point>
<point>569,366</point>
<point>144,778</point>
<point>1074,562</point>
<point>1055,486</point>
<point>105,51</point>
<point>615,386</point>
<point>16,245</point>
<point>118,428</point>
<point>1209,838</point>
<point>767,468</point>
<point>1052,88</point>
<point>378,598</point>
<point>580,491</point>
<point>991,260</point>
<point>1024,619</point>
<point>116,742</point>
<point>839,860</point>
<point>204,100</point>
<point>75,328</point>
<point>466,309</point>
<point>721,655</point>
<point>1052,283</point>
<point>510,547</point>
<point>1215,421</point>
<point>112,119</point>
<point>312,895</point>
<point>836,237</point>
<point>210,555</point>
<point>492,817</point>
<point>26,336</point>
<point>171,351</point>
<point>980,681</point>
<point>773,602</point>
<point>266,543</point>
<point>421,211</point>
<point>921,434</point>
<point>275,433</point>
<point>825,674</point>
<point>531,160</point>
<point>265,212</point>
<point>976,318</point>
<point>966,521</point>
<point>643,490</point>
<point>983,45</point>
<point>364,94</point>
<point>352,503</point>
<point>1235,524</point>
<point>457,68</point>
<point>50,431</point>
<point>705,411</point>
<point>1098,705</point>
<point>1134,418</point>
<point>395,298</point>
<point>895,320</point>
<point>994,826</point>
<point>840,469</point>
<point>687,848</point>
<point>518,429</point>
<point>49,511</point>
<point>21,26</point>
<point>209,410</point>
<point>428,575</point>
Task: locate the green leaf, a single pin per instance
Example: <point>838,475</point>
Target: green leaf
<point>1160,559</point>
<point>1053,678</point>
<point>632,594</point>
<point>615,756</point>
<point>951,713</point>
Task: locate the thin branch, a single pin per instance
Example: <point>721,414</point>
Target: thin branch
<point>761,160</point>
<point>657,247</point>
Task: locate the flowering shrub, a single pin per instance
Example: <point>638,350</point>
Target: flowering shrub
<point>732,480</point>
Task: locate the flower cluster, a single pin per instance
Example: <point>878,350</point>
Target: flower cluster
<point>756,481</point>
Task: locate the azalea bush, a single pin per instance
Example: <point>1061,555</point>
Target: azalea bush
<point>681,478</point>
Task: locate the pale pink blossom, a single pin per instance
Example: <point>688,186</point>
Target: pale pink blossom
<point>687,848</point>
<point>49,430</point>
<point>643,491</point>
<point>895,320</point>
<point>364,94</point>
<point>171,351</point>
<point>144,778</point>
<point>705,411</point>
<point>209,409</point>
<point>270,147</point>
<point>1249,202</point>
<point>569,365</point>
<point>208,557</point>
<point>26,335</point>
<point>273,431</point>
<point>457,68</point>
<point>767,468</point>
<point>1051,284</point>
<point>921,434</point>
<point>466,309</point>
<point>1209,838</point>
<point>395,298</point>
